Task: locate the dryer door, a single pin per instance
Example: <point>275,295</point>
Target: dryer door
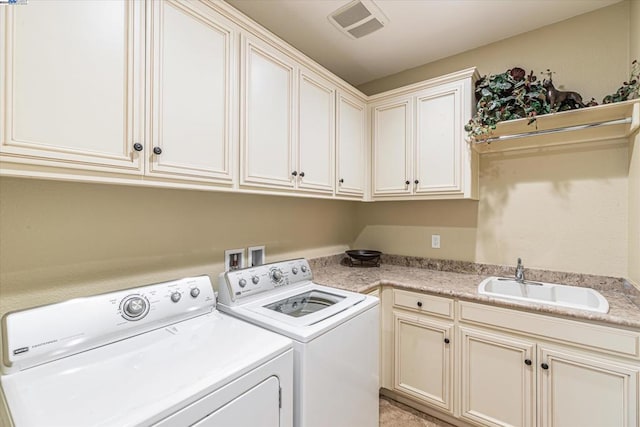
<point>256,407</point>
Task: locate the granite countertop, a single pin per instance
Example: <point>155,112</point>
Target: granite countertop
<point>622,310</point>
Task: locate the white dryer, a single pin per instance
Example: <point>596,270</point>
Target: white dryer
<point>159,355</point>
<point>335,335</point>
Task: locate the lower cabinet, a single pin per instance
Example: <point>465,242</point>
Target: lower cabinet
<point>489,366</point>
<point>586,390</point>
<point>423,355</point>
<point>424,359</point>
<point>497,379</point>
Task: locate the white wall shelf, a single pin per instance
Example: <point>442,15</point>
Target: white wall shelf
<point>600,123</point>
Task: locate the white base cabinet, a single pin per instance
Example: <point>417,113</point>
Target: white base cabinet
<point>423,356</point>
<point>586,390</point>
<point>497,379</point>
<point>423,359</point>
<point>483,365</point>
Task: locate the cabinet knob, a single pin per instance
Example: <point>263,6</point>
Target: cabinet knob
<point>341,181</point>
<point>416,182</point>
<point>446,341</point>
<point>137,146</point>
<point>157,150</point>
<point>527,362</point>
<point>544,366</point>
<point>419,303</point>
<point>407,182</point>
<point>294,173</point>
<point>301,174</point>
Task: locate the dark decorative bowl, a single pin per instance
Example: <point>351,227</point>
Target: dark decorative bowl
<point>365,258</point>
<point>363,254</point>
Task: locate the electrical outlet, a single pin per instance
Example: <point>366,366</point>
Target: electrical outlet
<point>233,259</point>
<point>435,241</point>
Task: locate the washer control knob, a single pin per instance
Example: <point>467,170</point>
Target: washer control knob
<point>255,279</point>
<point>175,297</point>
<point>242,283</point>
<point>294,270</point>
<point>276,275</point>
<point>303,268</point>
<point>194,292</point>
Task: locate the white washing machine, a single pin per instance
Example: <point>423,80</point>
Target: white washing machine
<point>335,335</point>
<point>159,355</point>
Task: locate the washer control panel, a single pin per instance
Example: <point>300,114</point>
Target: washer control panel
<point>238,284</point>
<point>50,332</point>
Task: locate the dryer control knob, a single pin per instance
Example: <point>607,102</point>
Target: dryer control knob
<point>294,270</point>
<point>175,297</point>
<point>242,283</point>
<point>255,279</point>
<point>134,307</point>
<point>194,292</point>
<point>303,268</point>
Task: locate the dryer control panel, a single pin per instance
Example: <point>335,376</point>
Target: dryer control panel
<point>50,332</point>
<point>239,284</point>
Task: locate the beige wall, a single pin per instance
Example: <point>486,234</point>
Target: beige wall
<point>589,53</point>
<point>61,240</point>
<point>564,209</point>
<point>634,163</point>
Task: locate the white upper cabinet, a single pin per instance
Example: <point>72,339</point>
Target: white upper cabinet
<point>72,87</point>
<point>316,133</point>
<point>193,84</point>
<point>267,116</point>
<point>288,122</point>
<point>392,146</point>
<point>439,128</point>
<point>351,119</point>
<point>418,140</point>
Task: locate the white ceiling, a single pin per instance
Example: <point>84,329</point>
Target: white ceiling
<point>418,32</point>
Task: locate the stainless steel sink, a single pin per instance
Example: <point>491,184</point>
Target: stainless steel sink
<point>574,297</point>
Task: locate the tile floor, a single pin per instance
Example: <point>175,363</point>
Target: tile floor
<point>395,414</point>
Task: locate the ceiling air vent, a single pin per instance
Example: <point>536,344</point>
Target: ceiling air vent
<point>358,18</point>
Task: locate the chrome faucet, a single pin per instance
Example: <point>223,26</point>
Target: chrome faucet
<point>520,272</point>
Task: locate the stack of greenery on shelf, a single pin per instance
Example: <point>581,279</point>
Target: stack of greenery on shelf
<point>628,90</point>
<point>511,95</point>
<point>515,94</point>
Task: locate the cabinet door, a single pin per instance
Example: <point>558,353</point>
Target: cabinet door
<point>72,92</point>
<point>193,117</point>
<point>497,379</point>
<point>351,149</point>
<point>423,359</point>
<point>577,390</point>
<point>316,133</point>
<point>439,140</point>
<point>392,142</point>
<point>267,116</point>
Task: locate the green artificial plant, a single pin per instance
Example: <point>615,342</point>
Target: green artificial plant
<point>629,89</point>
<point>507,96</point>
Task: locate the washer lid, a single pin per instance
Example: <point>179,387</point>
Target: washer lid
<point>307,327</point>
<point>143,379</point>
<point>308,305</point>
